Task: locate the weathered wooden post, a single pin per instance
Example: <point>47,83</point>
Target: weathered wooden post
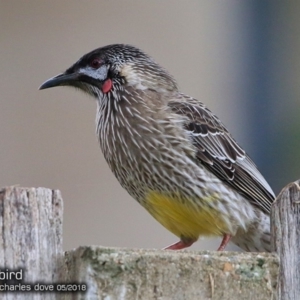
<point>30,242</point>
<point>285,230</point>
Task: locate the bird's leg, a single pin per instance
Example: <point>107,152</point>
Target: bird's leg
<point>225,241</point>
<point>180,245</point>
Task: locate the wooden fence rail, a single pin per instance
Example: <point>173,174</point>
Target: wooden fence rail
<point>34,266</point>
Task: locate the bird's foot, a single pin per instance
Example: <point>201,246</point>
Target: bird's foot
<point>180,245</point>
<point>225,241</point>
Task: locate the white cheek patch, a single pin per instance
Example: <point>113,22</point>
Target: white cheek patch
<point>132,77</point>
<point>99,74</point>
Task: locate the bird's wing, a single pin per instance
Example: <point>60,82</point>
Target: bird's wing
<point>220,154</point>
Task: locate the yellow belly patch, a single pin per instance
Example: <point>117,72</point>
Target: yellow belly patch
<point>183,217</point>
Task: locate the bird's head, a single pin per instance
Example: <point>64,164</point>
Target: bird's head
<point>112,68</point>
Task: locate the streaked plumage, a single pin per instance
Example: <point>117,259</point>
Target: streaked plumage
<point>170,152</point>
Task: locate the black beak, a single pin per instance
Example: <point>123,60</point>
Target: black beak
<point>61,79</point>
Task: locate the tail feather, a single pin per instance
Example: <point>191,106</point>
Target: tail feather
<point>257,238</point>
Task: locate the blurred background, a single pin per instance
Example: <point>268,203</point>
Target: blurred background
<point>240,58</point>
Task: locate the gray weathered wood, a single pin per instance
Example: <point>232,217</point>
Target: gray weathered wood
<point>31,237</point>
<point>285,232</point>
<point>127,274</point>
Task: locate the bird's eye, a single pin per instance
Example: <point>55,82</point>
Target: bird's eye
<point>95,63</point>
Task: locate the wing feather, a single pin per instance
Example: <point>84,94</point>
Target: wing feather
<point>220,153</point>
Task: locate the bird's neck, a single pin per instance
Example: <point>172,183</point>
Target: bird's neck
<point>125,122</point>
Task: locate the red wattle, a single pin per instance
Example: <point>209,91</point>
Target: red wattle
<point>107,85</point>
